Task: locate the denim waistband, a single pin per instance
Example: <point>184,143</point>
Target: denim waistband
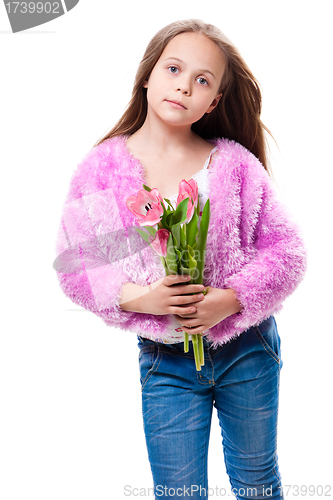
<point>179,346</point>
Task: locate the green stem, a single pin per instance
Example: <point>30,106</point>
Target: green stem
<point>196,352</point>
<point>186,346</point>
<point>201,350</point>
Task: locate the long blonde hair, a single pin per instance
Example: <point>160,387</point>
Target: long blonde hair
<point>237,115</point>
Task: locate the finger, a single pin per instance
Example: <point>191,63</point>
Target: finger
<point>173,279</point>
<point>188,322</point>
<point>189,299</point>
<point>181,317</point>
<point>196,330</point>
<point>182,311</point>
<point>186,300</point>
<point>186,290</point>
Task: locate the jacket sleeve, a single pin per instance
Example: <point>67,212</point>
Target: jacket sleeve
<point>279,261</point>
<point>92,245</point>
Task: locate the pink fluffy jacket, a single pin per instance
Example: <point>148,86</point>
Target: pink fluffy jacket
<point>253,246</point>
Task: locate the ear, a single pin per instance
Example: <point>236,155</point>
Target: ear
<point>145,84</point>
<point>214,103</point>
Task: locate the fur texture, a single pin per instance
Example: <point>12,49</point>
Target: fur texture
<point>252,246</point>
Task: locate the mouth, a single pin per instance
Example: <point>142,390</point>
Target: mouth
<point>176,104</point>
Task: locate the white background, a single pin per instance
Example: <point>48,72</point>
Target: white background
<point>70,418</point>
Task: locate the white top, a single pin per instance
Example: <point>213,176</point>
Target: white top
<point>174,329</point>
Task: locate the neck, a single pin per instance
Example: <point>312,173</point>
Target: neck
<point>161,137</point>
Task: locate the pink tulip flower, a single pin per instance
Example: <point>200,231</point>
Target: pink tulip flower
<point>146,206</point>
<point>159,241</point>
<point>188,189</point>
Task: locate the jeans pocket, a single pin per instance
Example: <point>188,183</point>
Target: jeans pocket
<point>149,357</point>
<point>268,335</point>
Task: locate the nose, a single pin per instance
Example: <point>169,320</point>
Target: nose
<point>184,87</point>
<point>181,89</point>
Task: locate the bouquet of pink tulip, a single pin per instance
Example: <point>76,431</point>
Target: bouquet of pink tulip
<point>179,242</point>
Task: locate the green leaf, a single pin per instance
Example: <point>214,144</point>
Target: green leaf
<point>179,215</point>
<point>175,229</point>
<point>192,229</point>
<point>202,239</point>
<point>167,220</point>
<point>184,271</point>
<point>183,243</point>
<point>192,263</point>
<point>146,188</point>
<point>151,230</point>
<point>178,255</point>
<point>169,203</point>
<point>164,222</point>
<point>142,233</point>
<point>204,223</point>
<point>171,257</point>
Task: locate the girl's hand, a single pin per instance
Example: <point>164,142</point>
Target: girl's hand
<point>168,296</point>
<point>217,305</point>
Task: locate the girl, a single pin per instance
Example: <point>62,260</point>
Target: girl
<point>194,113</point>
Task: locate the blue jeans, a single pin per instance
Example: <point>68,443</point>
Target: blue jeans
<point>241,379</point>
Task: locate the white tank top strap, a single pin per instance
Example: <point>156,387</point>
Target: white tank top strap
<point>200,174</point>
<point>209,157</point>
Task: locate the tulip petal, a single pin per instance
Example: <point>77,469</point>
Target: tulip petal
<point>159,242</point>
<point>188,189</point>
<point>146,206</point>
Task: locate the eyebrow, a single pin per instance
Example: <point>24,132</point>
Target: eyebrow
<point>201,70</point>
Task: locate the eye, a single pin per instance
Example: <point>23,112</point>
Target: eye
<point>202,81</point>
<point>173,69</point>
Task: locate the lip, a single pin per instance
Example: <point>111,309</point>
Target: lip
<point>176,104</point>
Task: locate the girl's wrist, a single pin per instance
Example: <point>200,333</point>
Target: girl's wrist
<point>131,297</point>
<point>234,306</point>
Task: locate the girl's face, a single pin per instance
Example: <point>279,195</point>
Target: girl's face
<point>184,83</point>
